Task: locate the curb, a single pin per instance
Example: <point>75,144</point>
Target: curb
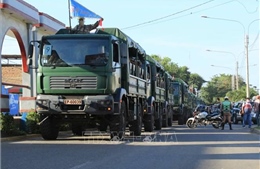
<point>18,138</point>
<point>24,137</point>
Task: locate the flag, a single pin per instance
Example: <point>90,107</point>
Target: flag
<point>77,10</point>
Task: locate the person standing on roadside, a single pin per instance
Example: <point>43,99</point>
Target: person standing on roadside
<point>257,109</point>
<point>247,118</point>
<point>226,107</point>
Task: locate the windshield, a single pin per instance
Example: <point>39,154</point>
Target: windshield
<point>69,52</point>
<point>175,89</point>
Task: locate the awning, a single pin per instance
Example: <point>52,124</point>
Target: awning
<point>15,90</point>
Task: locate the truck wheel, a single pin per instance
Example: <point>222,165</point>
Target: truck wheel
<point>49,128</point>
<point>103,127</point>
<point>180,120</point>
<point>77,129</point>
<point>103,124</point>
<point>136,126</point>
<point>158,122</point>
<point>165,118</point>
<point>118,123</point>
<point>149,121</point>
<point>170,119</point>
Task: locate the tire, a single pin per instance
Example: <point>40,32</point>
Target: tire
<point>77,129</point>
<point>158,122</point>
<point>190,124</point>
<point>103,125</point>
<point>170,119</point>
<point>165,118</point>
<point>149,121</point>
<point>136,126</point>
<point>180,120</point>
<point>118,123</point>
<point>49,128</point>
<point>217,124</point>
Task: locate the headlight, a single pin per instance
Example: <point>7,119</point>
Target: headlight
<point>105,102</point>
<point>42,102</point>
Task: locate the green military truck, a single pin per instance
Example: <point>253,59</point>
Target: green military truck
<point>159,98</point>
<point>97,79</point>
<point>168,112</point>
<point>183,106</point>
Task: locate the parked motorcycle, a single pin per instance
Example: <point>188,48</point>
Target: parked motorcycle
<point>204,118</point>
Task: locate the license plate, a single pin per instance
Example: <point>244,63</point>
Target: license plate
<point>73,101</point>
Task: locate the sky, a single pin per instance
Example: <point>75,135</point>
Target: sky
<point>175,29</point>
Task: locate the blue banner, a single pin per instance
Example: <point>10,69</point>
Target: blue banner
<point>77,10</point>
<point>14,104</point>
<point>4,90</point>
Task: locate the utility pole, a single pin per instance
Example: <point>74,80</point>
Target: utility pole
<point>247,66</point>
<point>237,79</point>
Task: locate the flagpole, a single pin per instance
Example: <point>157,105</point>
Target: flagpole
<point>69,15</point>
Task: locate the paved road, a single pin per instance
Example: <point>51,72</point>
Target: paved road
<point>175,147</point>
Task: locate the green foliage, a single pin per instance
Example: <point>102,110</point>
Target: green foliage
<point>196,80</point>
<point>220,86</point>
<point>32,120</point>
<point>182,72</point>
<point>8,127</point>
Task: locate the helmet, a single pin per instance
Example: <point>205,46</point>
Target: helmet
<point>225,97</point>
<point>200,108</point>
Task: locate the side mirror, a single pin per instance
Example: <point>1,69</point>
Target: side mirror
<point>29,61</point>
<point>30,51</point>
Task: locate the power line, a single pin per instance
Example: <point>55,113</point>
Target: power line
<point>186,14</point>
<point>154,20</point>
<point>249,12</point>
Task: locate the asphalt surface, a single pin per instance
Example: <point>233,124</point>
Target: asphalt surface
<point>174,147</point>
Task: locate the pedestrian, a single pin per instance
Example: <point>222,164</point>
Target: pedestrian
<point>257,109</point>
<point>226,107</point>
<point>218,106</point>
<point>247,118</point>
<point>81,28</point>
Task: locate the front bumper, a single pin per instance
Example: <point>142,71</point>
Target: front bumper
<point>54,104</point>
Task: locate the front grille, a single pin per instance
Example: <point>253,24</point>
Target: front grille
<point>77,82</point>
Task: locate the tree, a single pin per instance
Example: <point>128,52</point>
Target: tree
<point>217,87</point>
<point>220,86</point>
<point>184,74</point>
<point>196,80</point>
<point>193,80</point>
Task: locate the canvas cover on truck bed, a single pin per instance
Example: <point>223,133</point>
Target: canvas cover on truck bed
<point>122,36</point>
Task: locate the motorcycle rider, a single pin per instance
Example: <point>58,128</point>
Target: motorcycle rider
<point>199,109</point>
<point>226,107</point>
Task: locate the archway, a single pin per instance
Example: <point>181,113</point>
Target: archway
<point>13,59</point>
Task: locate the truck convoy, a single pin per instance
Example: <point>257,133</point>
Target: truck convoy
<point>105,80</point>
<point>184,101</point>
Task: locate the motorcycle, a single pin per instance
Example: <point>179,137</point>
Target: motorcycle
<point>204,118</point>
